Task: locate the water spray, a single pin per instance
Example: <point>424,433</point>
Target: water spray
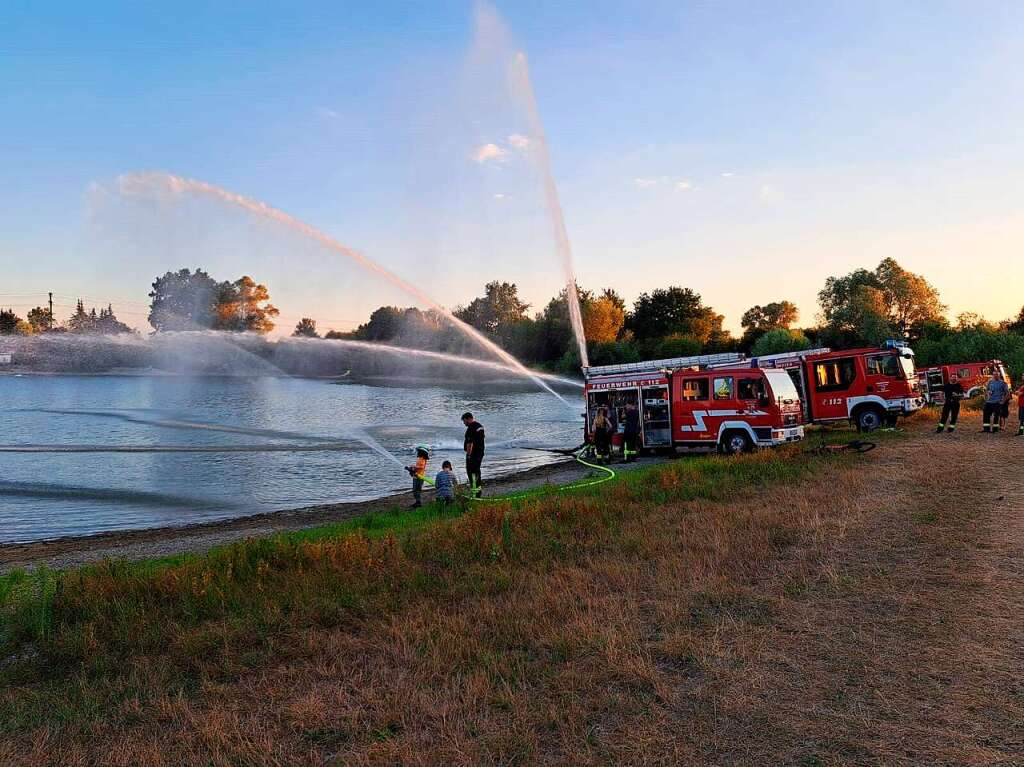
<point>146,183</point>
<point>539,145</point>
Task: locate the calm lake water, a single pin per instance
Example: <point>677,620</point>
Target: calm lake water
<point>47,495</point>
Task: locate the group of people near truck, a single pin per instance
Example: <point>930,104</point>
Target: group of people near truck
<point>995,412</point>
<point>445,483</point>
<point>606,426</point>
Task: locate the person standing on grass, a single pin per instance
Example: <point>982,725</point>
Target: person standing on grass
<point>474,447</point>
<point>952,392</point>
<point>630,432</point>
<point>418,471</point>
<point>997,394</point>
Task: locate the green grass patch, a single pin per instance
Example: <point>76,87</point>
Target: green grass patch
<point>88,640</point>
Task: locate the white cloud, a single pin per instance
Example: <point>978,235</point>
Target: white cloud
<point>728,175</point>
<point>667,182</point>
<point>327,112</point>
<point>500,196</point>
<point>519,141</point>
<point>489,153</point>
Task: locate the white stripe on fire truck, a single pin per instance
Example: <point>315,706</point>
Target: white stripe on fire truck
<point>700,415</point>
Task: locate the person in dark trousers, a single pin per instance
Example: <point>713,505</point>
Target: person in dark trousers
<point>602,435</point>
<point>997,394</point>
<point>630,432</point>
<point>418,471</point>
<point>1020,409</point>
<point>474,447</point>
<point>953,392</point>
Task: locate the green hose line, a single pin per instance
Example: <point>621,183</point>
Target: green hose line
<point>576,486</point>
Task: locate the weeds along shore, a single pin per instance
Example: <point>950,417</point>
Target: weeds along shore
<point>76,645</point>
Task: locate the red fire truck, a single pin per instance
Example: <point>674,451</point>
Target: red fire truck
<point>683,402</point>
<point>868,387</point>
<point>972,376</point>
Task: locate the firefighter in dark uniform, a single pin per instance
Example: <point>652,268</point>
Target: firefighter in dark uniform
<point>630,432</point>
<point>952,392</point>
<point>473,444</point>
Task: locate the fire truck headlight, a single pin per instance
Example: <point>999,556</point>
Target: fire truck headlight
<point>778,434</point>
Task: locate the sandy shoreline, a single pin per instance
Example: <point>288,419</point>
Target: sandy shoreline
<point>163,541</point>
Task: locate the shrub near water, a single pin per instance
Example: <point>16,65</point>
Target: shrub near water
<point>174,623</point>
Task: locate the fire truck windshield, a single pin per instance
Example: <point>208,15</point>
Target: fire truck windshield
<point>907,365</point>
<point>782,387</point>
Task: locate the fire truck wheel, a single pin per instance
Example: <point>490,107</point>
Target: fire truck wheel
<point>869,419</point>
<point>734,442</point>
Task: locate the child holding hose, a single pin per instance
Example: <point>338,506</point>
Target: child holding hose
<point>418,471</point>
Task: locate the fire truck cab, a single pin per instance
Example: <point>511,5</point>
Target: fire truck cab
<point>868,387</point>
<point>685,402</point>
<point>973,376</point>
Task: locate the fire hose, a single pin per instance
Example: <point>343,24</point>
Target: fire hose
<point>577,455</point>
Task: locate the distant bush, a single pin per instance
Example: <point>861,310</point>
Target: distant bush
<point>946,346</point>
<point>780,341</point>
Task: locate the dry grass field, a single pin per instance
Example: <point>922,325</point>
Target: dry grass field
<point>772,609</point>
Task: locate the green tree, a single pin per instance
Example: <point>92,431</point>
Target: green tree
<point>40,320</point>
<point>1016,325</point>
<point>869,306</point>
<point>11,324</point>
<point>758,320</point>
<point>780,340</point>
<point>673,311</point>
<point>108,324</point>
<point>183,300</point>
<point>497,311</point>
<point>553,333</point>
<point>306,328</point>
<point>384,324</point>
<point>244,306</point>
<point>82,321</point>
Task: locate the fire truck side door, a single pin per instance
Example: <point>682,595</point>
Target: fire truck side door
<point>693,402</point>
<point>832,382</point>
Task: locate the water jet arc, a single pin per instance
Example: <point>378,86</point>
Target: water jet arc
<point>539,144</point>
<point>139,183</point>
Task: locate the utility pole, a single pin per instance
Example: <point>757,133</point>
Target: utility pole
<point>49,323</point>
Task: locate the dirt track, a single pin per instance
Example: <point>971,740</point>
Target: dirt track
<point>905,645</point>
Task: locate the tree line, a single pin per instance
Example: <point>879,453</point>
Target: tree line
<point>41,320</point>
<point>863,308</point>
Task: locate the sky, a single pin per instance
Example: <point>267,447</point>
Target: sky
<point>745,150</point>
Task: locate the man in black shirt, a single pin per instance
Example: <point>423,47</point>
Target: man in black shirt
<point>473,444</point>
<point>952,392</point>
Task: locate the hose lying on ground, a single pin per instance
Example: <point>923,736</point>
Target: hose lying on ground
<point>856,446</point>
<point>610,474</point>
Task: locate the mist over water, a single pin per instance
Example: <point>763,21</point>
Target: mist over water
<point>189,426</point>
<point>164,184</point>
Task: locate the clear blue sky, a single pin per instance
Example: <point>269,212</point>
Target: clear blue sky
<point>747,150</point>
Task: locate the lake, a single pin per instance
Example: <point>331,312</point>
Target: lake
<point>48,495</point>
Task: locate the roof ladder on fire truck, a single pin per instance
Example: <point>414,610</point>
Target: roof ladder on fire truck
<point>772,360</point>
<point>701,361</point>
